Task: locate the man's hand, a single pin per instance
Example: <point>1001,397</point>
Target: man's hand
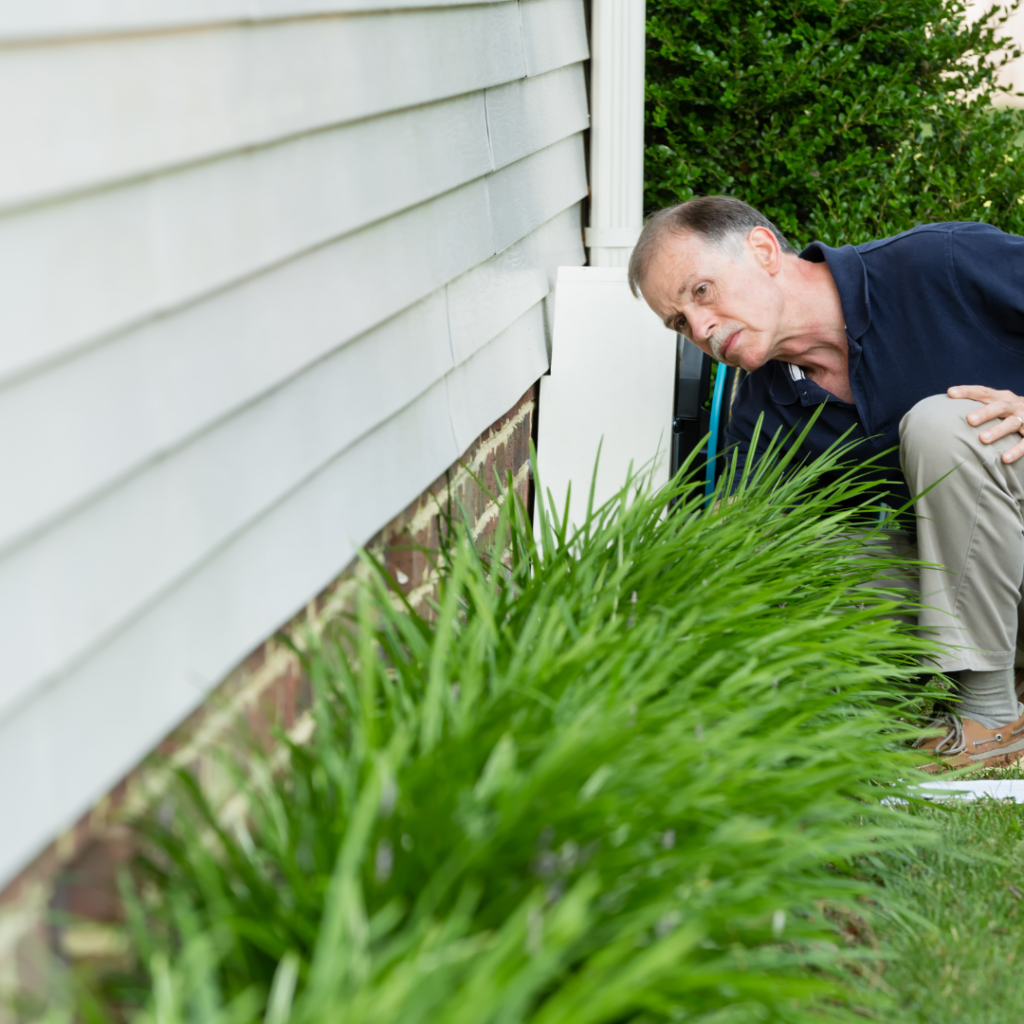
<point>1004,406</point>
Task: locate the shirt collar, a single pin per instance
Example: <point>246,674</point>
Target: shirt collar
<point>788,388</point>
<point>851,280</point>
<point>781,384</point>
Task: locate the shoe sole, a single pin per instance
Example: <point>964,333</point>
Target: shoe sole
<point>1010,754</point>
<point>1006,758</point>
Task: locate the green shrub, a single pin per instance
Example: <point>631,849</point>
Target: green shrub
<point>843,120</point>
<point>615,782</point>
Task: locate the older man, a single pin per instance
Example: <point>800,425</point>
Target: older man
<point>915,341</point>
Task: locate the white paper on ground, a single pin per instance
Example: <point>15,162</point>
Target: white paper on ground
<point>612,377</point>
<point>998,789</point>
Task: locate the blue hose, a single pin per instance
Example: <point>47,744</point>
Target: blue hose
<point>716,412</point>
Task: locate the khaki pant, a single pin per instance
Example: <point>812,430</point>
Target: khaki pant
<point>971,523</point>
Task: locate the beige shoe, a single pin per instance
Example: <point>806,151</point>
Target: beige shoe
<point>963,741</point>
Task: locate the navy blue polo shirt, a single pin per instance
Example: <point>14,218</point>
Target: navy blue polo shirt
<point>937,306</point>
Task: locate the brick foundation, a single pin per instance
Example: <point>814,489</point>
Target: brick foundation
<point>63,902</point>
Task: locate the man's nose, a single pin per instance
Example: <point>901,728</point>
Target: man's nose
<point>703,326</point>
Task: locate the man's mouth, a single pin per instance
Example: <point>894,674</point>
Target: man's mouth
<point>723,351</point>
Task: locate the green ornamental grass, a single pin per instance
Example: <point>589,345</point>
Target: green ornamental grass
<point>619,774</point>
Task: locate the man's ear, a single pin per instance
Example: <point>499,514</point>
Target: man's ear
<point>765,248</point>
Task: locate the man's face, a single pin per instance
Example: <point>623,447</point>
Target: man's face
<point>726,300</point>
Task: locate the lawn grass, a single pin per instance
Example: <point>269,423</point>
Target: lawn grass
<point>961,960</point>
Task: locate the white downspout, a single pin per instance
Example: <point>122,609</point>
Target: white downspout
<point>616,130</point>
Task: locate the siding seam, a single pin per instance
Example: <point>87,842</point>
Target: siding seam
<point>84,347</point>
<point>58,37</point>
<point>114,184</point>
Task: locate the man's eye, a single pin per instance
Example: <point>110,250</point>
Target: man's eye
<point>700,291</point>
<point>681,325</point>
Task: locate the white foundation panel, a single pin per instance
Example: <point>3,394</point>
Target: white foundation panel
<point>611,386</point>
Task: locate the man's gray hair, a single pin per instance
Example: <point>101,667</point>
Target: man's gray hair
<point>719,219</point>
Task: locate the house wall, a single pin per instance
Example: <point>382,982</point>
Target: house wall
<point>1012,74</point>
<point>269,269</point>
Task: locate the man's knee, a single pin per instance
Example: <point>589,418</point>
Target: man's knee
<point>937,428</point>
<point>937,414</point>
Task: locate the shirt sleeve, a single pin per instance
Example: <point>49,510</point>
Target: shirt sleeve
<point>988,266</point>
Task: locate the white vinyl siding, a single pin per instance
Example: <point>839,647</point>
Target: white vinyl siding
<point>266,276</point>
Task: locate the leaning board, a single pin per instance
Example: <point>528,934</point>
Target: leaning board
<point>611,386</point>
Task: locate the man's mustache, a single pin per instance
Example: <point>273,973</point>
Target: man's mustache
<point>719,338</point>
